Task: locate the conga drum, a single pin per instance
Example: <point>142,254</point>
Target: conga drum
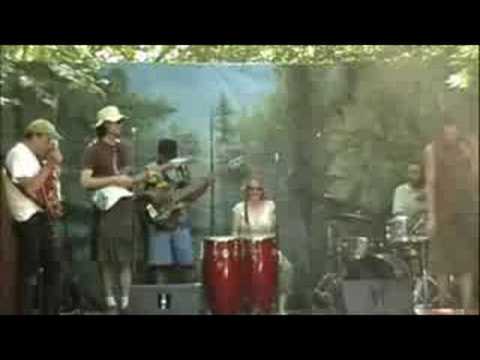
<point>259,273</point>
<point>222,261</point>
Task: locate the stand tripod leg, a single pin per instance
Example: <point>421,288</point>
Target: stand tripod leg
<point>425,276</point>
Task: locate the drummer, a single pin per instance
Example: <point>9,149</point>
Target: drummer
<point>410,198</point>
<point>255,216</point>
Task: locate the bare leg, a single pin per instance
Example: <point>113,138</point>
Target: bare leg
<point>125,283</point>
<point>282,303</point>
<point>476,294</point>
<point>465,282</point>
<point>285,281</point>
<point>106,275</point>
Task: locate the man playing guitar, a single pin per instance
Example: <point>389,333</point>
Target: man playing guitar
<point>106,164</point>
<point>167,196</point>
<point>27,183</point>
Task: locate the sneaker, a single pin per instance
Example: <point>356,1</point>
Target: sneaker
<point>124,303</point>
<point>110,301</point>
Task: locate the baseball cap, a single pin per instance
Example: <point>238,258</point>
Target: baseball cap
<point>42,126</point>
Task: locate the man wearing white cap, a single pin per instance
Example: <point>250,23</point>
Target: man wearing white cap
<point>106,163</point>
<point>28,168</point>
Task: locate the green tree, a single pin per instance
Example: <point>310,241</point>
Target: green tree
<point>224,127</point>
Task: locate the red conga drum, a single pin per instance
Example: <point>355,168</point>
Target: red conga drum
<point>259,273</point>
<point>222,258</point>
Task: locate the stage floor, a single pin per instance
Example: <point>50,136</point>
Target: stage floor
<point>310,312</point>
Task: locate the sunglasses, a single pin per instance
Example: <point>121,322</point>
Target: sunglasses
<point>254,188</point>
<point>121,121</point>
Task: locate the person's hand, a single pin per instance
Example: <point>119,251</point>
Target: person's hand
<point>57,211</point>
<point>54,156</point>
<point>123,181</point>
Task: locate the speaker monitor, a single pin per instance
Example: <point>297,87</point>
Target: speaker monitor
<point>166,299</point>
<point>378,296</point>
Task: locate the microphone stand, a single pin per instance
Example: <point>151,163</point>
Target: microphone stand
<point>212,170</point>
<point>134,165</point>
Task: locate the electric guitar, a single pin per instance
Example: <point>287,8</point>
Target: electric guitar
<point>105,198</point>
<point>108,196</point>
<point>164,203</point>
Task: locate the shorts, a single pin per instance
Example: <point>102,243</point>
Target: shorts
<point>170,247</point>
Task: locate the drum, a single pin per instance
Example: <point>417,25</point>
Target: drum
<point>222,276</point>
<point>355,247</point>
<point>396,231</point>
<point>259,274</point>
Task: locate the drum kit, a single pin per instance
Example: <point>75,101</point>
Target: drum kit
<point>240,274</point>
<point>401,252</point>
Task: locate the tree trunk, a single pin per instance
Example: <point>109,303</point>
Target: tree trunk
<point>299,112</point>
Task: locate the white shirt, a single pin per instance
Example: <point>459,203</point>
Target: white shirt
<point>262,224</point>
<point>21,162</point>
<point>409,201</point>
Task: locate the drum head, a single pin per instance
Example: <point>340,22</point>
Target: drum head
<point>221,238</point>
<point>258,238</point>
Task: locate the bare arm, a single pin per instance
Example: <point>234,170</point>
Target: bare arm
<point>156,168</point>
<point>471,151</point>
<point>236,223</point>
<point>92,183</point>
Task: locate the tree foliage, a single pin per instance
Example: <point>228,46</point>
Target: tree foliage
<point>79,64</point>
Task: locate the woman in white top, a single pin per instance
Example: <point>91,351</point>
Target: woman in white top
<point>255,216</point>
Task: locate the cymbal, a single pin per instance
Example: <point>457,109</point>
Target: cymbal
<point>351,217</point>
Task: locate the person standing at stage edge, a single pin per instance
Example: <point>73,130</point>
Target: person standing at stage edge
<point>107,161</point>
<point>451,163</point>
<point>31,192</point>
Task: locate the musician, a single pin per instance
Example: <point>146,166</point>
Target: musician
<point>410,198</point>
<point>29,168</point>
<point>256,216</point>
<point>107,161</point>
<point>170,245</point>
<point>452,180</point>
